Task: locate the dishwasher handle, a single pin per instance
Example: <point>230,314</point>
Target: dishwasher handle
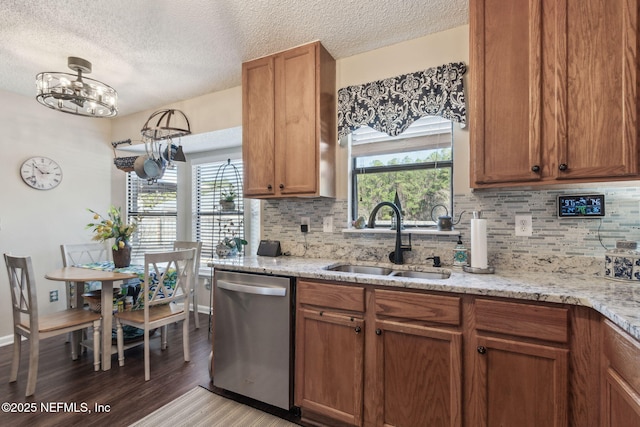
<point>276,291</point>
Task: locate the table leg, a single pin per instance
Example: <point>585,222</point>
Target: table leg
<point>106,304</point>
<point>79,303</point>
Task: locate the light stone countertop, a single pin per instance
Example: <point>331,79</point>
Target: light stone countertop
<point>619,301</point>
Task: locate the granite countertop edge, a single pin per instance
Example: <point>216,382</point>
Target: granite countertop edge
<point>618,301</point>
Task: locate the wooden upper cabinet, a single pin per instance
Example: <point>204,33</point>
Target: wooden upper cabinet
<point>505,119</point>
<point>553,91</point>
<point>289,120</point>
<point>597,136</point>
<point>258,134</point>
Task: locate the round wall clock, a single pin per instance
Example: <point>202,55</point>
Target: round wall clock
<point>41,173</point>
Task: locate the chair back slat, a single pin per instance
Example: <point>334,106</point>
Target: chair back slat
<point>178,244</point>
<point>84,253</point>
<point>23,293</point>
<point>167,276</point>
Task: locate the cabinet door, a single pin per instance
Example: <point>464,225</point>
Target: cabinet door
<point>520,384</point>
<point>621,392</point>
<point>597,133</point>
<point>258,137</point>
<point>505,107</point>
<point>329,365</point>
<point>419,375</point>
<point>621,405</point>
<point>296,113</point>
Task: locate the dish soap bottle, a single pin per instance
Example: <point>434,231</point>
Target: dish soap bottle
<point>460,254</point>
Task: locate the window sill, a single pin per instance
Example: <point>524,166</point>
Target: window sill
<point>415,231</point>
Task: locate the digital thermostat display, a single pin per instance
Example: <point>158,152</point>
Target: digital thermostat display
<point>581,206</point>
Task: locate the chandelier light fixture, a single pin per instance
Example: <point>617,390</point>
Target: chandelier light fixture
<point>75,94</point>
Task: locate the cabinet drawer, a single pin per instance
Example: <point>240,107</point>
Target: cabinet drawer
<point>426,307</point>
<point>533,321</point>
<point>328,295</point>
<point>623,353</point>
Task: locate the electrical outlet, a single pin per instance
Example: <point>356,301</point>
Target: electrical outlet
<point>305,224</point>
<point>524,225</point>
<point>327,224</point>
<point>53,296</point>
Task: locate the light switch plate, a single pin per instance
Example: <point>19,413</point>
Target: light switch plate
<point>327,224</point>
<point>524,225</point>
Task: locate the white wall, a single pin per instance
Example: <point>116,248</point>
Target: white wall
<point>34,222</point>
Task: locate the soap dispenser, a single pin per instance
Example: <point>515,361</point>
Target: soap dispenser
<point>460,254</point>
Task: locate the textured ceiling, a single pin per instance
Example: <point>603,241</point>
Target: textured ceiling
<point>155,52</point>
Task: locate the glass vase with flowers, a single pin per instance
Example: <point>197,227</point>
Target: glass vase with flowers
<point>113,227</point>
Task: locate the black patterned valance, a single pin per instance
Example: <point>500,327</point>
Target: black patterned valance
<point>392,104</point>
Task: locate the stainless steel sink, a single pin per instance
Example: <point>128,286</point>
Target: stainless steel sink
<point>385,271</point>
<point>361,269</point>
<point>422,274</point>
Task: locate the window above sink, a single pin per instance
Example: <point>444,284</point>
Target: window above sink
<point>416,165</point>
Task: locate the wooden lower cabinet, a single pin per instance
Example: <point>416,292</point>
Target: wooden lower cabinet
<point>373,356</point>
<point>521,364</point>
<point>419,374</point>
<point>329,356</point>
<point>418,359</point>
<point>520,384</point>
<point>330,351</point>
<point>621,379</point>
<point>405,371</point>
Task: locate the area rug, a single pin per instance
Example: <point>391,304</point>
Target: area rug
<point>200,407</point>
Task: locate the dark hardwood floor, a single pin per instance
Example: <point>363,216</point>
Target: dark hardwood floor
<point>122,389</point>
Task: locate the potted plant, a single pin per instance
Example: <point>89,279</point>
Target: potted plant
<point>230,246</point>
<point>113,227</point>
<point>227,198</point>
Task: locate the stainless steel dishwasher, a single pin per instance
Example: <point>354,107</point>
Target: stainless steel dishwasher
<point>253,333</point>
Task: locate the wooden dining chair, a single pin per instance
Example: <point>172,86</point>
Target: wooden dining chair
<point>82,253</point>
<point>177,245</point>
<point>167,282</point>
<point>28,323</point>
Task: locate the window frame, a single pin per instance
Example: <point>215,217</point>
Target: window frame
<point>165,243</point>
<point>439,164</point>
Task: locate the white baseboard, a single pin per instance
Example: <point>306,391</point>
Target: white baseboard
<point>204,309</point>
<point>8,340</point>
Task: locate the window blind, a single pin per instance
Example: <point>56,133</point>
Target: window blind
<point>154,208</point>
<point>430,132</point>
<point>211,223</point>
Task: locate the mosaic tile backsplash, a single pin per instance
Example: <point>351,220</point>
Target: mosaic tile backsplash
<point>557,245</point>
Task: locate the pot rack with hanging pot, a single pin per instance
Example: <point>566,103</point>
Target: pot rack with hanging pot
<point>167,125</point>
<point>154,165</point>
<point>162,125</point>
